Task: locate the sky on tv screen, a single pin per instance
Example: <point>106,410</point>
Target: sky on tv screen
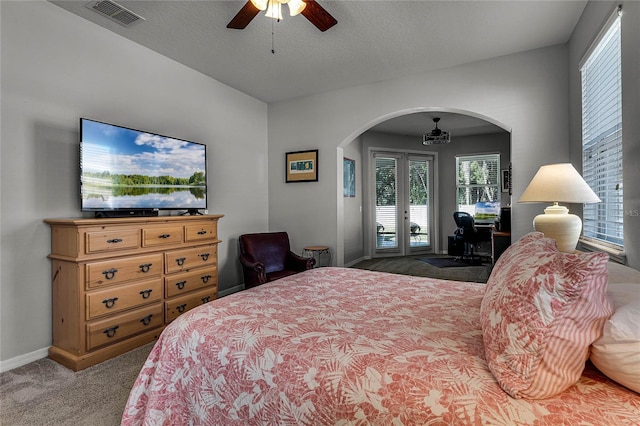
<point>119,150</point>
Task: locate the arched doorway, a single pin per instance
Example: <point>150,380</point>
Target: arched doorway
<point>401,133</point>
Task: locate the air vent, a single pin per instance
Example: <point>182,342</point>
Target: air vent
<point>115,12</point>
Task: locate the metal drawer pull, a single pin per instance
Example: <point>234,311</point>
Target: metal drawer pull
<point>205,278</point>
<point>204,256</point>
<point>181,284</point>
<point>109,303</point>
<point>180,261</point>
<point>164,236</point>
<point>205,300</point>
<point>202,232</point>
<point>146,293</point>
<point>146,320</point>
<point>145,267</point>
<point>110,332</point>
<point>115,241</point>
<point>110,273</point>
<point>181,308</point>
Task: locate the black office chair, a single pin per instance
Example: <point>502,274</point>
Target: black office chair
<point>467,235</point>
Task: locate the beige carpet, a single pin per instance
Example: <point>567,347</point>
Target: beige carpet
<point>46,393</point>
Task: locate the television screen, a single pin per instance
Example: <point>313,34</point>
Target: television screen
<point>123,169</point>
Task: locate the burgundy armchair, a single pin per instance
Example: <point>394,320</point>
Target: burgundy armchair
<point>267,256</point>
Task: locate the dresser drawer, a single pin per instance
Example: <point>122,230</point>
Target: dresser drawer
<point>119,327</point>
<point>182,283</point>
<point>120,270</point>
<point>180,305</point>
<point>108,241</point>
<point>182,260</point>
<point>166,235</point>
<point>203,232</point>
<point>118,299</point>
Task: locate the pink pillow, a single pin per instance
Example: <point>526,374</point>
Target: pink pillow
<point>541,310</point>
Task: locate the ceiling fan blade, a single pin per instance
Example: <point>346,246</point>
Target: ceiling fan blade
<point>244,16</point>
<point>318,16</point>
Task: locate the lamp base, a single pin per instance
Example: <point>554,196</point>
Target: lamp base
<point>557,223</point>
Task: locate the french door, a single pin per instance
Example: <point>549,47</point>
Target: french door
<point>404,211</point>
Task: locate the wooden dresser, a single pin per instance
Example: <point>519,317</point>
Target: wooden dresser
<point>117,282</point>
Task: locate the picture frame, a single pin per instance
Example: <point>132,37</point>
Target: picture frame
<point>349,177</point>
<point>506,180</point>
<point>301,166</point>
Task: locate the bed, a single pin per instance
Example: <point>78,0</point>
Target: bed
<point>342,346</point>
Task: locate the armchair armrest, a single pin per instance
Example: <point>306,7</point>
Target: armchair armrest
<point>298,263</point>
<point>254,271</point>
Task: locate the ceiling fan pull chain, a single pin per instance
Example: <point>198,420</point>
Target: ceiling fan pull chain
<point>273,49</point>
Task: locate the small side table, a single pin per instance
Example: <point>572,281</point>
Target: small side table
<point>316,252</point>
<point>500,241</point>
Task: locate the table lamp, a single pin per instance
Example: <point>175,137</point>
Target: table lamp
<point>559,183</point>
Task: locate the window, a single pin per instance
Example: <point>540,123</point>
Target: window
<point>478,180</point>
<point>602,138</point>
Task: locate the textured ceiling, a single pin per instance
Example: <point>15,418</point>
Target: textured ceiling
<point>373,41</point>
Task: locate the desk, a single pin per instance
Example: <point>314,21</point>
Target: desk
<point>499,240</point>
<point>499,243</point>
<point>313,251</point>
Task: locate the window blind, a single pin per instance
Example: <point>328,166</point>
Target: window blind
<point>386,169</point>
<point>478,179</point>
<point>602,137</point>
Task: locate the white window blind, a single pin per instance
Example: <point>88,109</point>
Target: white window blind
<point>602,137</point>
<point>478,179</point>
<point>386,201</point>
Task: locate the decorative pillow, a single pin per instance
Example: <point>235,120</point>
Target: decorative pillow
<point>617,352</point>
<point>515,249</point>
<point>541,311</point>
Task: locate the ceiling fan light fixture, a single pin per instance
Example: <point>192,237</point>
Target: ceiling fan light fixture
<point>310,9</point>
<point>436,136</point>
<point>274,10</point>
<point>260,4</point>
<point>296,6</point>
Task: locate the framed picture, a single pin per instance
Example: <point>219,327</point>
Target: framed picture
<point>301,166</point>
<point>349,177</point>
<point>506,180</point>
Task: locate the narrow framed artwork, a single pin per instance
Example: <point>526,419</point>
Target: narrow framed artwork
<point>301,166</point>
<point>506,180</point>
<point>349,177</point>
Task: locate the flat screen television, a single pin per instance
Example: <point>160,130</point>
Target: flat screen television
<point>127,172</point>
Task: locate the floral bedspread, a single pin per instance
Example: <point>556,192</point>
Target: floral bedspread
<point>339,346</point>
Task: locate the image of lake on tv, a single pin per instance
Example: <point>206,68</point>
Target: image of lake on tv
<point>144,197</point>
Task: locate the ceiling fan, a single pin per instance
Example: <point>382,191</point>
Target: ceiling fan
<point>436,136</point>
<point>310,9</point>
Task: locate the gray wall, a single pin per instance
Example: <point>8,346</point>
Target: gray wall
<point>519,92</point>
<point>353,208</point>
<point>593,18</point>
<point>57,67</point>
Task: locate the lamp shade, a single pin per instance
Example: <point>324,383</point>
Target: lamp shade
<point>274,10</point>
<point>260,4</point>
<point>559,183</point>
<point>296,7</point>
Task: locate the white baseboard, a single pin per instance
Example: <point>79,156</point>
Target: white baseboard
<point>21,360</point>
<point>231,290</point>
<point>353,262</point>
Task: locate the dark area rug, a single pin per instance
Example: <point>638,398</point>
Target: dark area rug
<point>418,267</point>
<point>446,262</point>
